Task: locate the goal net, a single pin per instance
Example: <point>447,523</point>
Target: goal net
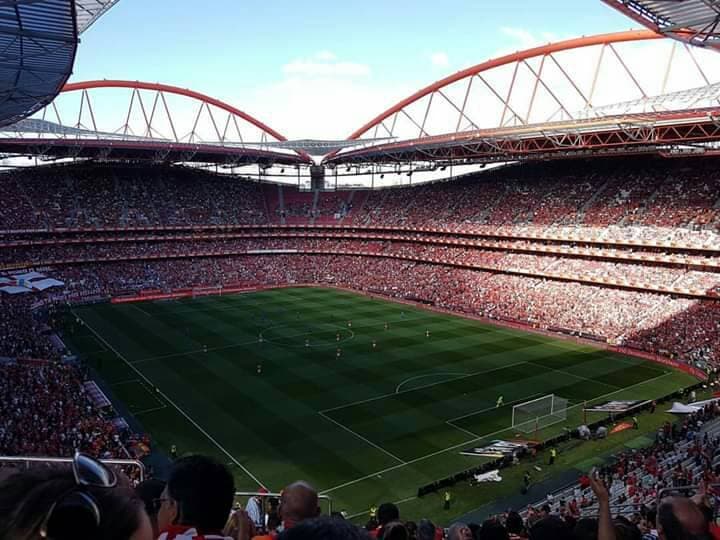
<point>539,413</point>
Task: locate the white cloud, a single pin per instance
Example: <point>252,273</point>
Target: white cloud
<point>521,39</point>
<point>326,56</point>
<point>325,63</point>
<point>439,59</point>
<point>323,106</point>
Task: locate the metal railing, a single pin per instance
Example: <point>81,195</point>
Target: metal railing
<point>27,461</point>
<point>278,495</point>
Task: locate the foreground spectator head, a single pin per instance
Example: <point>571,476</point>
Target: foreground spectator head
<point>299,502</point>
<point>459,531</point>
<point>395,530</point>
<point>426,530</point>
<point>550,528</point>
<point>150,491</point>
<point>50,503</point>
<point>514,523</point>
<point>678,518</point>
<point>492,529</point>
<point>586,529</point>
<point>388,512</point>
<point>198,496</point>
<point>626,529</point>
<point>324,528</point>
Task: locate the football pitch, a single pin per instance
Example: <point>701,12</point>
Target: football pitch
<point>366,399</point>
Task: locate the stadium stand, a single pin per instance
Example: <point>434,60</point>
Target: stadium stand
<point>622,252</point>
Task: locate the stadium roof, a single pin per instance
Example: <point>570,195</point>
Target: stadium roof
<point>89,11</point>
<point>38,40</point>
<point>591,95</point>
<point>693,21</point>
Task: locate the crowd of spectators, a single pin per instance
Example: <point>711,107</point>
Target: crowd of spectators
<point>23,334</point>
<point>642,199</point>
<point>197,501</point>
<point>652,321</point>
<point>46,411</point>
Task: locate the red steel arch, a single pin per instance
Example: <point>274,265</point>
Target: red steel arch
<point>575,43</point>
<point>159,87</point>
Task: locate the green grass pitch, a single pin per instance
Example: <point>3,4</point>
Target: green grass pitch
<point>368,425</point>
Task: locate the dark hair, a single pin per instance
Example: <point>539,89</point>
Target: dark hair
<point>586,529</point>
<point>550,528</point>
<point>626,529</point>
<point>324,528</point>
<point>149,491</point>
<point>672,528</point>
<point>26,498</point>
<point>411,527</point>
<point>514,523</point>
<point>395,530</point>
<point>387,512</point>
<point>492,529</point>
<point>204,490</point>
<point>425,530</point>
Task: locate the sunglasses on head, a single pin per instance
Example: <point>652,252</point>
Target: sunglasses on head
<point>75,514</point>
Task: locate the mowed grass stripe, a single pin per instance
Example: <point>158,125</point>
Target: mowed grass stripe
<point>271,421</point>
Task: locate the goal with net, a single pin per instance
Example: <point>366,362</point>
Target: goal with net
<point>538,413</point>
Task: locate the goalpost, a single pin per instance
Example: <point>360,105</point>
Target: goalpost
<point>538,413</point>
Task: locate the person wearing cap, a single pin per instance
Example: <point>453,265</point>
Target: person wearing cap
<point>254,508</point>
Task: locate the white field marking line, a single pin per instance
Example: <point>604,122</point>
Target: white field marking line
<point>397,388</point>
<point>383,396</point>
<point>407,499</point>
<point>127,381</point>
<point>488,435</point>
<point>171,402</point>
<point>466,431</point>
<point>102,349</point>
<point>363,438</point>
<point>573,375</point>
<point>141,310</point>
<point>233,345</point>
<point>152,409</point>
<point>528,398</point>
<point>194,351</point>
<point>310,333</point>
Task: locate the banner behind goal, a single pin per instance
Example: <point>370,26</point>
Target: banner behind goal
<point>539,413</point>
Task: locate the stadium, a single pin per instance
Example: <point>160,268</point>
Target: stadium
<point>492,310</point>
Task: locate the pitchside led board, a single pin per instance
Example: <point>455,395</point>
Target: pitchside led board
<point>317,177</point>
<point>617,406</point>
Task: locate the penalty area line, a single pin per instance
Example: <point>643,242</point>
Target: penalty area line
<point>391,394</point>
<point>171,402</point>
<point>486,436</point>
<point>342,426</point>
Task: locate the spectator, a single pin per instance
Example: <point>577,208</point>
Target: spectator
<point>459,531</point>
<point>387,513</point>
<point>492,529</point>
<point>324,528</point>
<point>197,500</point>
<point>427,531</point>
<point>299,502</point>
<point>48,503</point>
<point>254,509</point>
<point>150,491</point>
<point>678,518</point>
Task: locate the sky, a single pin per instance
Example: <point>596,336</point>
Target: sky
<point>320,69</point>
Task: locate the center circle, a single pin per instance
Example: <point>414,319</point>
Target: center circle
<point>309,336</point>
